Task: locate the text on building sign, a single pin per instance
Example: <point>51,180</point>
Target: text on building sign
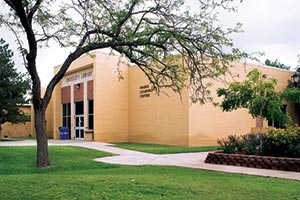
<point>79,76</point>
<point>145,91</point>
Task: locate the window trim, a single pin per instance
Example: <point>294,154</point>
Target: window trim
<point>90,114</point>
<point>67,117</point>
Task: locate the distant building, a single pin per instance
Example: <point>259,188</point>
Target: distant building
<point>10,130</point>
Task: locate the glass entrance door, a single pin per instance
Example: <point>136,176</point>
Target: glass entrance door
<point>79,120</point>
<point>79,127</point>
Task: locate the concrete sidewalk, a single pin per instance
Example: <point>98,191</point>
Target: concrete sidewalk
<point>189,160</point>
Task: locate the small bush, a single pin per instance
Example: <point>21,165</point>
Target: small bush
<point>230,144</point>
<point>277,142</point>
<point>283,142</point>
<point>252,143</point>
<point>245,144</point>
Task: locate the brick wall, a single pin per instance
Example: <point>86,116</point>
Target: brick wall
<point>66,94</point>
<point>265,162</point>
<point>90,89</point>
<point>78,92</point>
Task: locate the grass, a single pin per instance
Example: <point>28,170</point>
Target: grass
<point>16,139</point>
<point>9,139</point>
<point>163,149</point>
<point>75,175</point>
<point>25,138</point>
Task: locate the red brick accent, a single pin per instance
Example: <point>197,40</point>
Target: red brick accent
<point>66,94</point>
<point>90,89</point>
<point>78,92</point>
<point>265,162</point>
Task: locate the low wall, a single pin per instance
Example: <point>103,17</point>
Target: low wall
<point>265,162</point>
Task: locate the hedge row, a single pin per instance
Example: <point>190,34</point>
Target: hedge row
<point>277,142</point>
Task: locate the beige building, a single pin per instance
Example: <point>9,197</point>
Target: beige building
<point>96,105</point>
<point>10,130</point>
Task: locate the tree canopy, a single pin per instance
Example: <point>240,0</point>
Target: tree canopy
<point>257,94</point>
<point>146,32</point>
<point>13,88</point>
<point>291,94</point>
<point>276,64</point>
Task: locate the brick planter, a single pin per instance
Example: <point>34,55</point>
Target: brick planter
<point>265,162</point>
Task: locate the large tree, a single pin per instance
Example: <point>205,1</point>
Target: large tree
<point>13,89</point>
<point>145,31</point>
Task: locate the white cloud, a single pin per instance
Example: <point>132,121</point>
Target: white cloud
<point>270,26</point>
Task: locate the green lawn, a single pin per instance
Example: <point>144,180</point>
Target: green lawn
<point>75,175</point>
<point>16,139</point>
<point>163,149</point>
<point>9,139</point>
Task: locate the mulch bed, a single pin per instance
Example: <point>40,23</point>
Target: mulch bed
<point>262,162</point>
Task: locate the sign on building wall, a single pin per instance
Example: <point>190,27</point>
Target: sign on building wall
<point>145,91</point>
<point>78,77</point>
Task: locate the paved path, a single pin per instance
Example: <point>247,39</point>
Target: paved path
<point>189,160</point>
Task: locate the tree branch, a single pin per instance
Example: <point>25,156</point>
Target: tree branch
<point>126,17</point>
<point>34,9</point>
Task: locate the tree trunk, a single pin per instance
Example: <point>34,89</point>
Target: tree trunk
<point>43,160</point>
<point>0,131</point>
<point>260,131</point>
<point>260,121</point>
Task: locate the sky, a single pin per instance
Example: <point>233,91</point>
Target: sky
<point>270,26</point>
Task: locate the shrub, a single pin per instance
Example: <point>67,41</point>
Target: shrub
<point>277,142</point>
<point>252,143</point>
<point>230,144</point>
<point>283,142</point>
<point>245,144</point>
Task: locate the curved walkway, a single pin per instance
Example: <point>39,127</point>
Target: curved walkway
<point>189,160</point>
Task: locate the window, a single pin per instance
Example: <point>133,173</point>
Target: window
<point>66,114</point>
<point>275,123</point>
<point>91,114</point>
<point>79,108</point>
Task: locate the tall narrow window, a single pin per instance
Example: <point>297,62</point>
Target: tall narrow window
<point>91,114</point>
<point>66,114</point>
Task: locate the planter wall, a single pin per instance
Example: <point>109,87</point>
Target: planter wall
<point>265,162</point>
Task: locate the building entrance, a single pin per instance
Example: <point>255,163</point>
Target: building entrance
<point>79,120</point>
